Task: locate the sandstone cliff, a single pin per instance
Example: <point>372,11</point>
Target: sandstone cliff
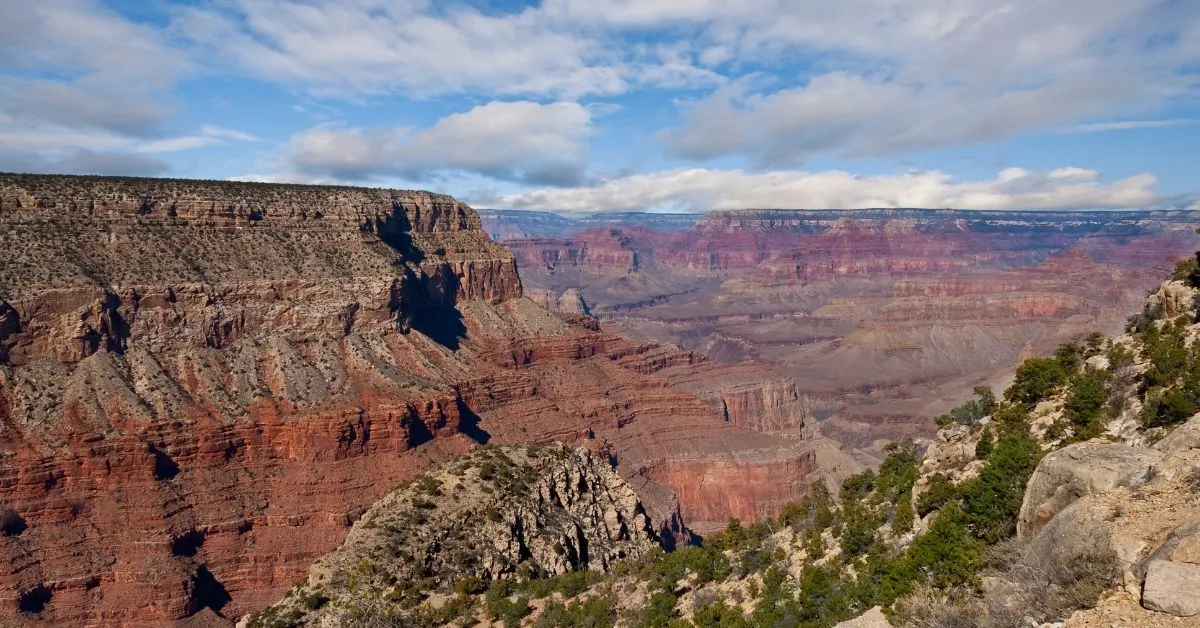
<point>204,384</point>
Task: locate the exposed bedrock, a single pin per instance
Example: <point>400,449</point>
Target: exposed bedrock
<point>202,386</point>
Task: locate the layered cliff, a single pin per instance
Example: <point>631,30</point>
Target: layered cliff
<point>882,318</point>
<point>1071,500</point>
<point>204,384</point>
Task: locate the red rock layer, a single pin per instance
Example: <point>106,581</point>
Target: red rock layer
<point>202,385</point>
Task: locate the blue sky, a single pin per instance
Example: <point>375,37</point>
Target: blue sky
<point>593,105</point>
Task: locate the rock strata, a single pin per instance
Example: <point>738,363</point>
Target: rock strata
<point>204,384</point>
<point>884,318</point>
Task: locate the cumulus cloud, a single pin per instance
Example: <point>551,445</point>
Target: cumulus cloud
<point>82,89</point>
<point>109,73</point>
<point>705,189</point>
<point>372,46</point>
<point>920,75</point>
<point>855,116</point>
<point>540,144</point>
<point>847,77</point>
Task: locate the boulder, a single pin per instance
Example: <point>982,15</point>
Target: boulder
<point>1063,476</point>
<point>1182,545</point>
<point>1173,588</point>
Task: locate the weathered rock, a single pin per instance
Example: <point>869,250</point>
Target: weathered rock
<point>545,510</point>
<point>1081,529</point>
<point>1066,475</point>
<point>1181,545</point>
<point>1172,299</point>
<point>1183,438</point>
<point>1173,588</point>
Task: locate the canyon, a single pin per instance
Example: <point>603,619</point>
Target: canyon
<point>883,318</point>
<point>203,385</point>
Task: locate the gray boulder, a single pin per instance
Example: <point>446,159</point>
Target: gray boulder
<point>1063,476</point>
<point>1173,588</point>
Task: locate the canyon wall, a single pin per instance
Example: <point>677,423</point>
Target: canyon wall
<point>883,318</point>
<point>204,384</point>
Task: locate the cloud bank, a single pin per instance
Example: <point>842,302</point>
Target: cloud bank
<point>702,190</point>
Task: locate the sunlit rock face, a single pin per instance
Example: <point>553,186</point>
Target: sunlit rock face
<point>204,384</point>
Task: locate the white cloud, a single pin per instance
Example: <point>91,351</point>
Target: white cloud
<point>848,77</point>
<point>705,189</point>
<point>230,134</point>
<point>1126,125</point>
<point>371,47</point>
<point>208,136</point>
<point>108,73</point>
<point>82,89</point>
<point>856,116</point>
<point>521,141</point>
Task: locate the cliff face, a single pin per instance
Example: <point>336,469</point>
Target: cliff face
<point>882,318</point>
<point>202,385</point>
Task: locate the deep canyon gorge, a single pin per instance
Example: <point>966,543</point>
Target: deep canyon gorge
<point>883,318</point>
<point>203,385</point>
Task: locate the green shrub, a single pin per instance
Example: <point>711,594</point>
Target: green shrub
<point>596,612</point>
<point>1085,403</point>
<point>499,604</point>
<point>945,556</point>
<point>1037,379</point>
<point>858,530</point>
<point>1165,408</point>
<point>658,613</point>
<point>985,445</point>
<point>903,519</point>
<point>1188,271</point>
<point>899,470</point>
<point>858,486</point>
<point>940,492</point>
<point>992,501</point>
<point>718,614</point>
<point>972,411</point>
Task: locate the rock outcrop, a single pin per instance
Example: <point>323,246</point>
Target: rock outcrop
<point>1067,474</point>
<point>204,384</point>
<point>543,511</point>
<point>1139,502</point>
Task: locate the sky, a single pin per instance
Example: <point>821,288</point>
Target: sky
<point>614,105</point>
